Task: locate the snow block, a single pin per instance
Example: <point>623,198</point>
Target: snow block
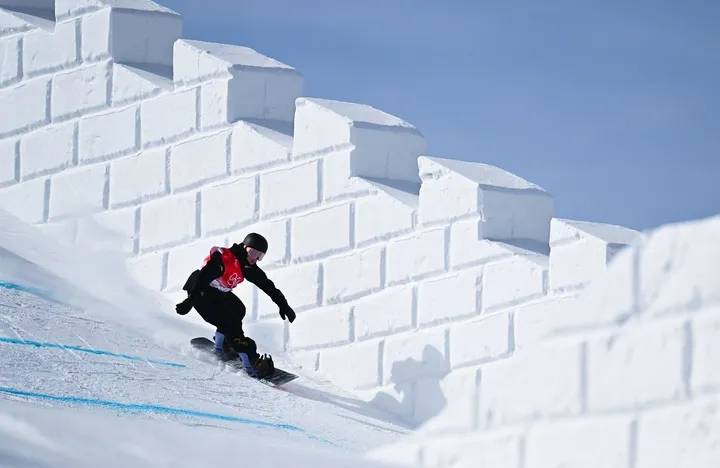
<point>26,200</point>
<point>48,149</point>
<point>478,449</point>
<point>387,312</point>
<point>110,134</point>
<point>95,35</point>
<point>71,8</point>
<point>390,211</point>
<point>198,60</point>
<point>354,366</point>
<point>337,180</point>
<point>448,298</point>
<point>167,221</point>
<point>484,339</point>
<point>64,231</point>
<point>706,349</point>
<point>29,102</point>
<point>543,382</point>
<point>289,189</point>
<point>138,177</point>
<point>9,162</point>
<point>577,264</point>
<point>598,442</point>
<point>78,191</point>
<point>131,84</point>
<point>142,37</point>
<point>139,33</point>
<point>308,361</point>
<point>321,327</point>
<point>544,317</point>
<point>351,275</point>
<point>612,298</point>
<point>411,356</point>
<point>46,51</point>
<point>373,143</point>
<point>411,257</point>
<point>256,145</point>
<point>467,247</point>
<point>168,116</point>
<point>580,251</point>
<point>459,389</point>
<point>311,236</point>
<point>11,23</point>
<point>80,90</point>
<point>646,363</point>
<point>252,86</point>
<point>300,284</point>
<point>228,205</point>
<point>512,281</point>
<point>148,270</point>
<point>429,399</point>
<point>679,435</point>
<point>678,267</point>
<point>199,160</point>
<point>511,208</point>
<point>563,231</point>
<point>214,104</point>
<point>9,60</point>
<point>113,231</point>
<point>407,451</point>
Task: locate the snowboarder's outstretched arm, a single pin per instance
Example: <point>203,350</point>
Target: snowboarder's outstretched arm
<point>258,277</point>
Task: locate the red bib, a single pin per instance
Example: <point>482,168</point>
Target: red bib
<point>232,271</point>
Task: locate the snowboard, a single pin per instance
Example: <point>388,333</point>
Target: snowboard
<point>277,378</point>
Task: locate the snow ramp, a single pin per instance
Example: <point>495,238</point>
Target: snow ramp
<point>84,382</point>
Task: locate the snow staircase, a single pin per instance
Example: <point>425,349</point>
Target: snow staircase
<point>397,261</point>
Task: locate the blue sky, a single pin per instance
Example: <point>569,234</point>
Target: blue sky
<point>613,106</point>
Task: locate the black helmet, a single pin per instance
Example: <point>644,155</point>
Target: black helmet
<point>256,241</point>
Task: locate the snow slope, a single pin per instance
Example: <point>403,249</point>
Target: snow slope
<point>87,382</point>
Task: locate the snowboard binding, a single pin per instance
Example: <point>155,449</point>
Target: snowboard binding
<point>264,366</point>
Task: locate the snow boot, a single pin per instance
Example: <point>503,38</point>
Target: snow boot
<point>222,349</point>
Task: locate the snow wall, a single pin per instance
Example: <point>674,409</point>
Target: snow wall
<point>625,375</point>
<point>417,280</point>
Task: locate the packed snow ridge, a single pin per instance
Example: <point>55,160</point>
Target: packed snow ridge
<point>432,292</point>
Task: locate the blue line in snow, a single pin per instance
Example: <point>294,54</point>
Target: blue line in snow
<point>147,408</point>
<point>81,349</point>
<point>19,287</point>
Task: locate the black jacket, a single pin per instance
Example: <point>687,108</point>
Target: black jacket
<point>253,273</point>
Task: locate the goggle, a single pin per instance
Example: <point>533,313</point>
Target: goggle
<point>256,254</point>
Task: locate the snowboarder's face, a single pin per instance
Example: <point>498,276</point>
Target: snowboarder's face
<point>253,255</point>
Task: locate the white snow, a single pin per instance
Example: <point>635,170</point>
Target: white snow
<point>99,377</point>
<point>224,56</point>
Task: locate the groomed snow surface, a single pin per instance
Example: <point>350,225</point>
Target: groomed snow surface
<point>90,384</point>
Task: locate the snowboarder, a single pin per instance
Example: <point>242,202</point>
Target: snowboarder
<point>210,292</point>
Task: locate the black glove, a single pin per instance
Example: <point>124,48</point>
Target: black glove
<point>286,311</point>
<point>184,307</point>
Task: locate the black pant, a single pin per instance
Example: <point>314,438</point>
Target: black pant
<point>223,309</point>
